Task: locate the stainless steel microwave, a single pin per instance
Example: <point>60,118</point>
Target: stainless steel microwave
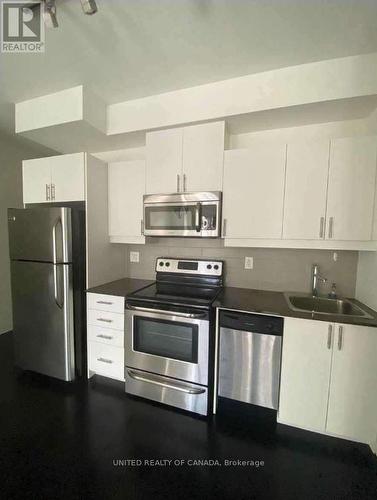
<point>183,214</point>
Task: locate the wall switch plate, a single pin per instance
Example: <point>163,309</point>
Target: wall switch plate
<point>249,262</point>
<point>134,256</point>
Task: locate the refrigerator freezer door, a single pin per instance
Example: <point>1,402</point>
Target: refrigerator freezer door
<point>43,318</point>
<point>40,234</point>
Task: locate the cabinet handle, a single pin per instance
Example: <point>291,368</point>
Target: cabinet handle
<point>178,182</point>
<point>322,227</point>
<point>104,360</point>
<point>107,337</point>
<point>184,183</point>
<point>104,302</point>
<point>340,338</point>
<point>142,227</point>
<point>53,191</point>
<point>331,227</point>
<point>329,337</point>
<point>224,227</point>
<point>47,192</point>
<point>105,320</point>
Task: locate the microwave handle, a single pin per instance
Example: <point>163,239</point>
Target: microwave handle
<point>198,225</point>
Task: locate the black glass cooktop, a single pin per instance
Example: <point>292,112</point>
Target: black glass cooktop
<point>178,294</point>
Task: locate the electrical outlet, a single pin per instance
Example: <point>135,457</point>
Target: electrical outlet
<point>249,262</point>
<point>134,257</point>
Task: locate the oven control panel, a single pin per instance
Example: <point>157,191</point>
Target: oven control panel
<point>188,266</point>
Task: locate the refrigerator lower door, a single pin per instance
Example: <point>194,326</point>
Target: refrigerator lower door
<point>40,234</point>
<point>43,323</point>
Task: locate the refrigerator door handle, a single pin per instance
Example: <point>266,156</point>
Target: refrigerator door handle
<point>57,253</point>
<point>57,287</point>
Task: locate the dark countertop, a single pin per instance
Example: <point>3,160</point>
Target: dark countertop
<point>121,288</point>
<point>274,303</point>
<point>244,299</point>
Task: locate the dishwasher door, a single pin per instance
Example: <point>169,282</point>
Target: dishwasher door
<point>250,358</point>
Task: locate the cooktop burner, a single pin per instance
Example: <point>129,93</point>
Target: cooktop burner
<point>184,282</point>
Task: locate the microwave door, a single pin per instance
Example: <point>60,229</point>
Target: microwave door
<point>172,219</point>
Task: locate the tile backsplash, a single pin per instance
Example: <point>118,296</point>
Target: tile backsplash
<point>274,268</point>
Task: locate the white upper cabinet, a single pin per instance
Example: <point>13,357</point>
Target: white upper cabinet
<point>253,192</point>
<point>351,188</point>
<point>203,157</point>
<point>306,190</point>
<point>352,408</point>
<point>54,179</point>
<point>185,159</point>
<point>68,177</point>
<point>126,190</point>
<point>36,180</point>
<point>164,161</point>
<point>305,373</point>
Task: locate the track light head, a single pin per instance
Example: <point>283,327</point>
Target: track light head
<point>49,14</point>
<point>89,7</point>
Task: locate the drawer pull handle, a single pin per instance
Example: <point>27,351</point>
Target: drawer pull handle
<point>105,320</point>
<point>104,302</point>
<point>104,360</point>
<point>169,385</point>
<point>107,337</point>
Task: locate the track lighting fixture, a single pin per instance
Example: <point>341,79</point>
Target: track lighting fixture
<point>49,14</point>
<point>89,6</point>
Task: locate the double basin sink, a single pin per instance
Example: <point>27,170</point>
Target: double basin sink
<point>323,305</point>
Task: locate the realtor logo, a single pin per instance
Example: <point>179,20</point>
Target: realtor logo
<point>22,27</point>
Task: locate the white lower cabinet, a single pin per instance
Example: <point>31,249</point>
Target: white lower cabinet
<point>105,335</point>
<point>352,410</point>
<point>305,373</point>
<point>329,378</point>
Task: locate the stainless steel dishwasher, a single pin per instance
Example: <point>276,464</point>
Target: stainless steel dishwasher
<point>250,358</point>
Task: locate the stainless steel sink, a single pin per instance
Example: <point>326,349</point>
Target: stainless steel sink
<point>323,305</point>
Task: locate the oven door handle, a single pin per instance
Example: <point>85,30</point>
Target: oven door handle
<point>166,313</point>
<point>169,385</point>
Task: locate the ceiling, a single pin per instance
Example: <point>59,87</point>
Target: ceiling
<point>135,48</point>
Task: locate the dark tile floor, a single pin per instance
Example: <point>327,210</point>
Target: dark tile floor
<point>62,441</point>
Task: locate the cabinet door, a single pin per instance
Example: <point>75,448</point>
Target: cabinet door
<point>351,188</point>
<point>253,192</point>
<point>352,408</point>
<point>36,180</point>
<point>164,161</point>
<point>306,190</point>
<point>305,373</point>
<point>68,177</point>
<point>126,190</point>
<point>203,157</point>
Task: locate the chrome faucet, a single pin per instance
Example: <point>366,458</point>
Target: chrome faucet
<point>316,277</point>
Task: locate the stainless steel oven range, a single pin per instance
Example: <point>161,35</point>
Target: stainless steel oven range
<point>168,327</point>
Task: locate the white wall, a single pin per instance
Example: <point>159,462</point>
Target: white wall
<point>12,152</point>
<point>366,281</point>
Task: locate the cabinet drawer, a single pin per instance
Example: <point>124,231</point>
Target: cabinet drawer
<point>106,360</point>
<point>111,303</point>
<point>105,319</point>
<point>106,335</point>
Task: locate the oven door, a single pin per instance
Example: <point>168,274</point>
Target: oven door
<point>172,344</point>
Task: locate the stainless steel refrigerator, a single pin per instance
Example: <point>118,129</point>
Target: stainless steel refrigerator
<point>47,272</point>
